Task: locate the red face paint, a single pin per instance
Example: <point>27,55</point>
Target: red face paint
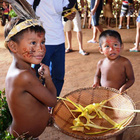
<point>40,34</point>
<point>28,53</point>
<point>118,50</point>
<point>108,41</point>
<point>111,45</point>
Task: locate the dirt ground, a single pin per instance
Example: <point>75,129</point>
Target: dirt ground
<point>80,71</point>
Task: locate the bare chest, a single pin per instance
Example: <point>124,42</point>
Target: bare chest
<point>114,71</point>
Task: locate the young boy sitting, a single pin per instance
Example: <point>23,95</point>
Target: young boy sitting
<point>114,70</point>
<point>27,98</point>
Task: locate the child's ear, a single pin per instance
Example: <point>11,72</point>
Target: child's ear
<point>122,46</point>
<point>12,46</point>
<point>100,50</point>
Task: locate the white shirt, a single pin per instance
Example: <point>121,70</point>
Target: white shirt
<point>50,13</point>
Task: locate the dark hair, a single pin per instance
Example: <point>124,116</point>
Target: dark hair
<point>112,33</point>
<point>17,37</point>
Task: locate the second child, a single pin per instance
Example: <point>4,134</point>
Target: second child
<point>114,70</point>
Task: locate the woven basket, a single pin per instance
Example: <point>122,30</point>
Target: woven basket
<point>64,119</point>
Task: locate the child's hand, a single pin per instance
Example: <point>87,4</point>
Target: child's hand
<point>123,90</point>
<point>44,71</point>
<point>95,85</point>
<point>70,16</point>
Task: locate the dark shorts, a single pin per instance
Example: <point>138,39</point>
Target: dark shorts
<point>95,17</point>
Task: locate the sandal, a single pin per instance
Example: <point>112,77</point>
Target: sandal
<point>134,50</point>
<point>83,52</point>
<point>92,41</point>
<point>68,50</point>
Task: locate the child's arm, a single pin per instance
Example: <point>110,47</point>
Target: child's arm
<point>97,76</point>
<point>32,86</point>
<point>130,76</point>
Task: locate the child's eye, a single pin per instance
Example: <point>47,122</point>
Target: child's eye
<point>115,45</point>
<point>33,42</point>
<point>107,46</point>
<point>43,42</point>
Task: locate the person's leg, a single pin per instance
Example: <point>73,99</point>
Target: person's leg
<point>95,31</point>
<point>128,22</point>
<point>79,38</point>
<point>121,19</point>
<point>89,22</point>
<point>69,37</point>
<point>109,20</point>
<point>136,48</point>
<point>67,30</point>
<point>4,20</point>
<point>57,67</point>
<point>77,28</point>
<point>137,36</point>
<point>96,26</point>
<point>84,20</point>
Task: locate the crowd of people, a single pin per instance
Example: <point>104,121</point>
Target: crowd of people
<point>38,49</point>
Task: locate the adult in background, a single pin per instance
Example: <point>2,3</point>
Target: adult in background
<point>107,12</point>
<point>126,10</point>
<point>136,48</point>
<point>77,27</point>
<point>5,13</point>
<point>50,13</point>
<point>96,7</point>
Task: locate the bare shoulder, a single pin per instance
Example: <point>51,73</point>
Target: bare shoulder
<point>24,77</point>
<point>100,62</point>
<point>125,60</point>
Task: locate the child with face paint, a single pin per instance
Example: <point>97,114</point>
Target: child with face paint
<point>114,70</point>
<point>27,98</point>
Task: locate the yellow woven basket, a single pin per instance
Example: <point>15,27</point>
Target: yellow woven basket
<point>64,119</point>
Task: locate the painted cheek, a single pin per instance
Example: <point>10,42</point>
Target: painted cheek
<point>105,51</point>
<point>118,50</point>
<point>28,53</point>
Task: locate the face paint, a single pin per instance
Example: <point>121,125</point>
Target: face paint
<point>111,44</point>
<point>111,47</point>
<point>108,41</point>
<point>28,53</point>
<point>118,50</point>
<point>40,34</point>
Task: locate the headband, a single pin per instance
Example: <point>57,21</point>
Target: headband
<point>21,26</point>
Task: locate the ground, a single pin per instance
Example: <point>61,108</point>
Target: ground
<point>80,71</point>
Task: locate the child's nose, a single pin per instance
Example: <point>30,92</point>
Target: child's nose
<point>111,48</point>
<point>40,47</point>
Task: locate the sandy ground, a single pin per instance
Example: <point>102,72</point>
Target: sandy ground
<point>80,71</point>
